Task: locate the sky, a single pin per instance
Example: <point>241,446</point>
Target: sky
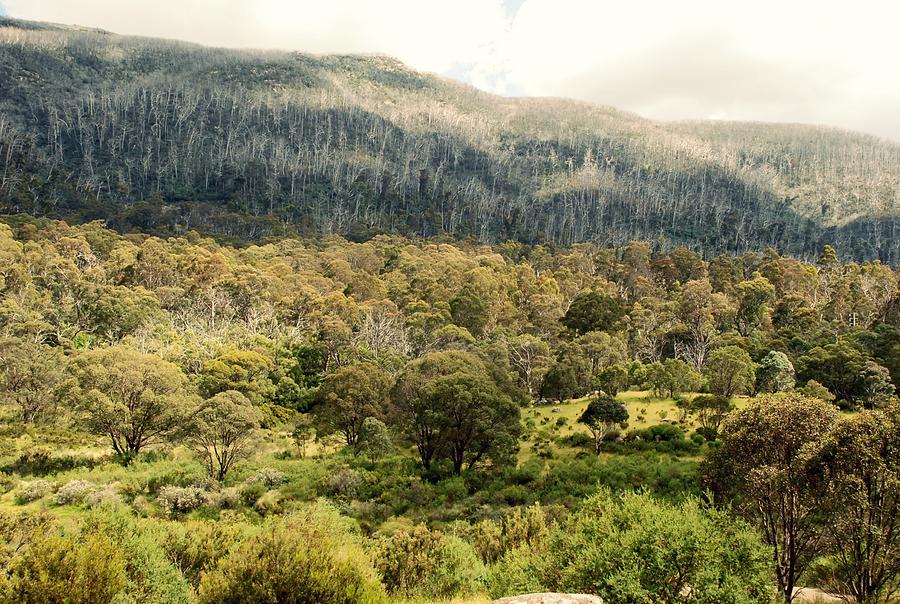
<point>824,62</point>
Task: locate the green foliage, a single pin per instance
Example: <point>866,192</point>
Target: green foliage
<point>764,467</point>
<point>306,558</point>
<point>449,405</point>
<point>375,439</point>
<point>591,311</point>
<point>612,379</point>
<point>729,371</point>
<point>32,377</point>
<point>672,377</point>
<point>347,397</point>
<point>134,399</point>
<point>429,564</point>
<point>220,430</point>
<point>637,549</point>
<point>775,373</point>
<point>601,417</point>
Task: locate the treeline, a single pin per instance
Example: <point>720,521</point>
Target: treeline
<point>169,137</point>
<point>272,321</point>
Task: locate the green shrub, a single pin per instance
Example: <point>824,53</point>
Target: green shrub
<point>636,549</point>
<point>307,558</point>
<point>196,546</point>
<point>519,571</point>
<point>66,569</point>
<point>423,563</point>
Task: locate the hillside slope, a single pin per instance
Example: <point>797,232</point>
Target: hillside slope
<point>167,136</point>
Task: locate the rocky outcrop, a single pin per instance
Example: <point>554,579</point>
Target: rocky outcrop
<point>550,599</point>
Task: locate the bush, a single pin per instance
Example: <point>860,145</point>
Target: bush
<point>268,477</point>
<point>519,571</point>
<point>180,500</point>
<point>74,492</point>
<point>269,503</point>
<point>429,564</point>
<point>105,496</point>
<point>634,548</point>
<point>344,483</point>
<point>57,568</point>
<point>196,546</point>
<point>303,559</point>
<point>34,490</point>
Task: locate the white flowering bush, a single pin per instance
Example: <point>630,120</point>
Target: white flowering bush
<point>179,500</point>
<point>268,477</point>
<point>34,490</point>
<point>75,492</point>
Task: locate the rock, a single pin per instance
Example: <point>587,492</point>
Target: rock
<point>550,599</point>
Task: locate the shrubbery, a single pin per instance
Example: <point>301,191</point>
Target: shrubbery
<point>307,558</point>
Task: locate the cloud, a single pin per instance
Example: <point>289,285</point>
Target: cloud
<point>822,62</point>
<point>818,61</point>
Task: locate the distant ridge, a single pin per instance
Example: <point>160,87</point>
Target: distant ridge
<point>166,136</point>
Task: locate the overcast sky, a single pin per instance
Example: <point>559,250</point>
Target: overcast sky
<point>823,61</point>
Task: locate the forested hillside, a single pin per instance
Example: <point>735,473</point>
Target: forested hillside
<point>166,137</point>
<point>424,420</point>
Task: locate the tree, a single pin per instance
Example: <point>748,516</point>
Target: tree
<point>839,367</point>
<point>220,431</point>
<point>753,296</point>
<point>763,468</point>
<point>476,419</point>
<point>861,463</point>
<point>816,390</point>
<point>470,310</point>
<point>672,377</point>
<point>134,399</point>
<point>729,371</point>
<point>32,377</point>
<point>569,377</point>
<point>243,370</point>
<point>375,439</point>
<point>602,416</point>
<point>711,410</point>
<point>591,311</point>
<point>450,405</point>
<point>530,356</point>
<point>347,397</point>
<point>612,379</point>
<point>304,432</point>
<point>775,373</point>
<point>876,389</point>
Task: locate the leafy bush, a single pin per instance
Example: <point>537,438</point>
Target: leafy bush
<point>58,568</point>
<point>306,558</point>
<point>196,546</point>
<point>430,564</point>
<point>519,571</point>
<point>634,548</point>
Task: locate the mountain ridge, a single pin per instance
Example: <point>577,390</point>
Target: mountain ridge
<point>166,136</point>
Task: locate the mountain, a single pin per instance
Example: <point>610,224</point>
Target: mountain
<point>165,136</point>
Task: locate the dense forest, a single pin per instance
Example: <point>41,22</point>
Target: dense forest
<point>168,137</point>
<point>422,420</point>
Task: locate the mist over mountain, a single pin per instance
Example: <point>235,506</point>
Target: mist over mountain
<point>165,136</point>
